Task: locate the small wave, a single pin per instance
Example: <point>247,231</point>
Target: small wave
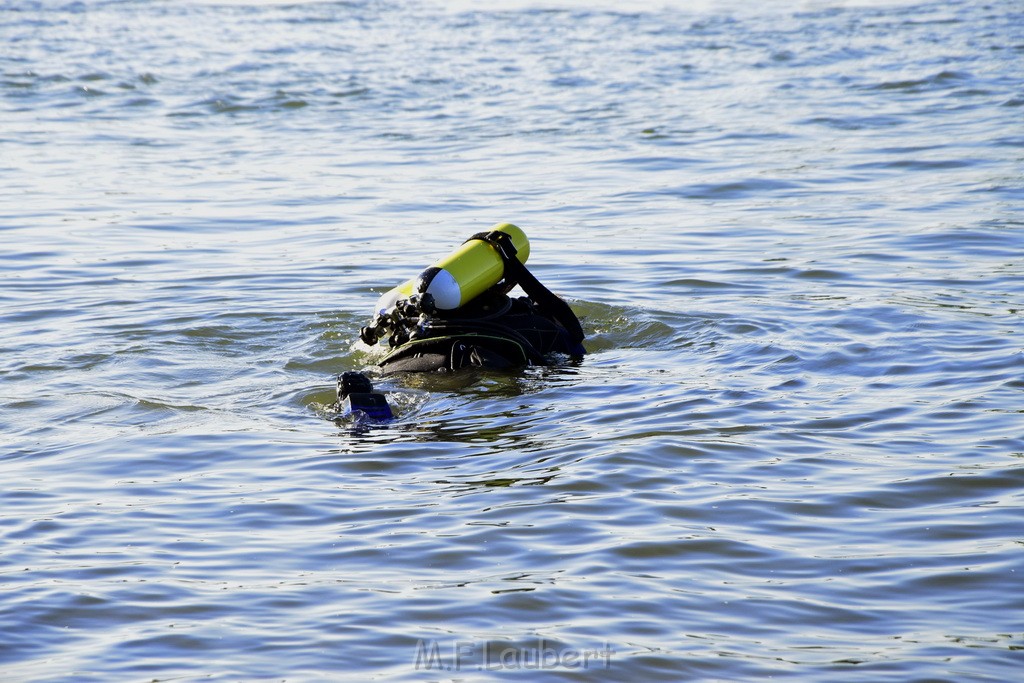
<point>940,80</point>
<point>697,283</point>
<point>918,164</point>
<point>854,122</point>
<point>609,327</point>
<point>821,274</point>
<point>739,189</point>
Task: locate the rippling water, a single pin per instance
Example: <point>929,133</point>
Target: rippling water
<point>793,230</point>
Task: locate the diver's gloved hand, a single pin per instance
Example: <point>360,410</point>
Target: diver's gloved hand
<point>356,395</point>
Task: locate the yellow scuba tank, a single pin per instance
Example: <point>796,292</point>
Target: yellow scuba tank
<point>461,276</point>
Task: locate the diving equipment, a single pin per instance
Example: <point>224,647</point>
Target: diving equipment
<point>463,275</point>
<point>487,328</point>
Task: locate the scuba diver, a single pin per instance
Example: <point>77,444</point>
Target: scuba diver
<point>458,314</point>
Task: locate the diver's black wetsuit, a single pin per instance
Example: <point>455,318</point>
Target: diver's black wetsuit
<point>493,331</point>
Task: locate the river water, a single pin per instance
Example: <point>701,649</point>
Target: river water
<point>793,231</point>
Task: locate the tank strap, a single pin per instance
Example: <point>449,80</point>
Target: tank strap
<point>516,273</point>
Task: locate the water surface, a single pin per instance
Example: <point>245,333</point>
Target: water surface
<point>794,235</point>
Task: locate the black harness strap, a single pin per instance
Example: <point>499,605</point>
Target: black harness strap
<point>492,330</point>
<point>516,273</point>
